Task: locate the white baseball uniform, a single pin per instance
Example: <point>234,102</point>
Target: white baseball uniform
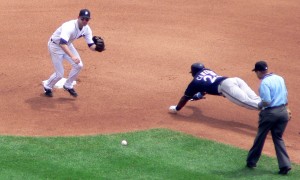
<point>68,31</point>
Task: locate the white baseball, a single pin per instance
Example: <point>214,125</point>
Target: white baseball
<point>124,142</point>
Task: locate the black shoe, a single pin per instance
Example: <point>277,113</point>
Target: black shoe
<point>284,170</point>
<point>251,165</point>
<point>71,91</point>
<point>48,92</point>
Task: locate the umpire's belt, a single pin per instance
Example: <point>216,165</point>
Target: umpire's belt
<point>274,107</point>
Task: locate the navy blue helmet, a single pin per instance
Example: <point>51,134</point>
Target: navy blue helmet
<point>196,67</point>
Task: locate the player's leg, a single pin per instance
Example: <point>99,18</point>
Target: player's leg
<point>231,90</point>
<point>76,68</point>
<point>250,93</point>
<point>57,60</point>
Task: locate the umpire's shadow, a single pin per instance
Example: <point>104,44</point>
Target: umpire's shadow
<point>53,104</point>
<point>243,172</point>
<point>226,124</point>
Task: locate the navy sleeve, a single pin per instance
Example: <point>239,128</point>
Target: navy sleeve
<point>62,41</point>
<point>192,89</point>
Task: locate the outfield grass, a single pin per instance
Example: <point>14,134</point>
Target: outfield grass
<point>152,154</point>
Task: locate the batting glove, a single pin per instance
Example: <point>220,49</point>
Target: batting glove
<point>172,109</point>
<point>197,96</point>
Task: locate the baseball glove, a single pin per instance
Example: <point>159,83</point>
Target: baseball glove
<point>99,42</point>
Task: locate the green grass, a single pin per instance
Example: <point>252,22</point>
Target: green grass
<point>152,154</point>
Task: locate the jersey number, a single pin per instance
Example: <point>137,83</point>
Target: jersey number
<point>207,75</point>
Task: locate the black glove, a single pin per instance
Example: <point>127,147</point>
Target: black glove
<point>99,42</point>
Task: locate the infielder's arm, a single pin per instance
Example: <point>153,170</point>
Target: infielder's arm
<point>66,49</point>
<point>92,47</point>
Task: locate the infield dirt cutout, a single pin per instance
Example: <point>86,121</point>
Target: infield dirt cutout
<point>150,46</point>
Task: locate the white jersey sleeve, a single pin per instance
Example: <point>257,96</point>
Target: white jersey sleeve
<point>67,29</point>
<point>88,35</point>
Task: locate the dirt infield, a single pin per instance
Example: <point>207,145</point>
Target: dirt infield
<point>150,47</point>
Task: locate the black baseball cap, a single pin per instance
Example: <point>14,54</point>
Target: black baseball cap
<point>85,13</point>
<point>260,66</point>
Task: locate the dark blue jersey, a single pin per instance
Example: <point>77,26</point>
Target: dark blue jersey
<point>206,81</point>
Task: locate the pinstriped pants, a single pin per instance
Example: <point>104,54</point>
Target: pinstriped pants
<point>237,91</point>
<point>57,57</point>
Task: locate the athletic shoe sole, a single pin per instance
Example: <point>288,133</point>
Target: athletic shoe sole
<point>71,91</point>
<point>48,92</point>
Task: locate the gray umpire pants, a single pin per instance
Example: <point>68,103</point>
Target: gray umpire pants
<point>274,120</point>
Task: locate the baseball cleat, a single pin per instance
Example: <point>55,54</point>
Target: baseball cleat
<point>48,92</point>
<point>71,91</point>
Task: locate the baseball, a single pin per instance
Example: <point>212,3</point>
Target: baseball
<point>124,142</point>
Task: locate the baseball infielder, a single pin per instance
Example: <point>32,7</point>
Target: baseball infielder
<point>60,47</point>
<point>206,81</point>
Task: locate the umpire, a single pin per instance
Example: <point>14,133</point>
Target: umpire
<point>274,116</point>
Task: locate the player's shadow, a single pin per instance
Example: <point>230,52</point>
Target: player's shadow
<point>226,124</point>
<point>43,103</point>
